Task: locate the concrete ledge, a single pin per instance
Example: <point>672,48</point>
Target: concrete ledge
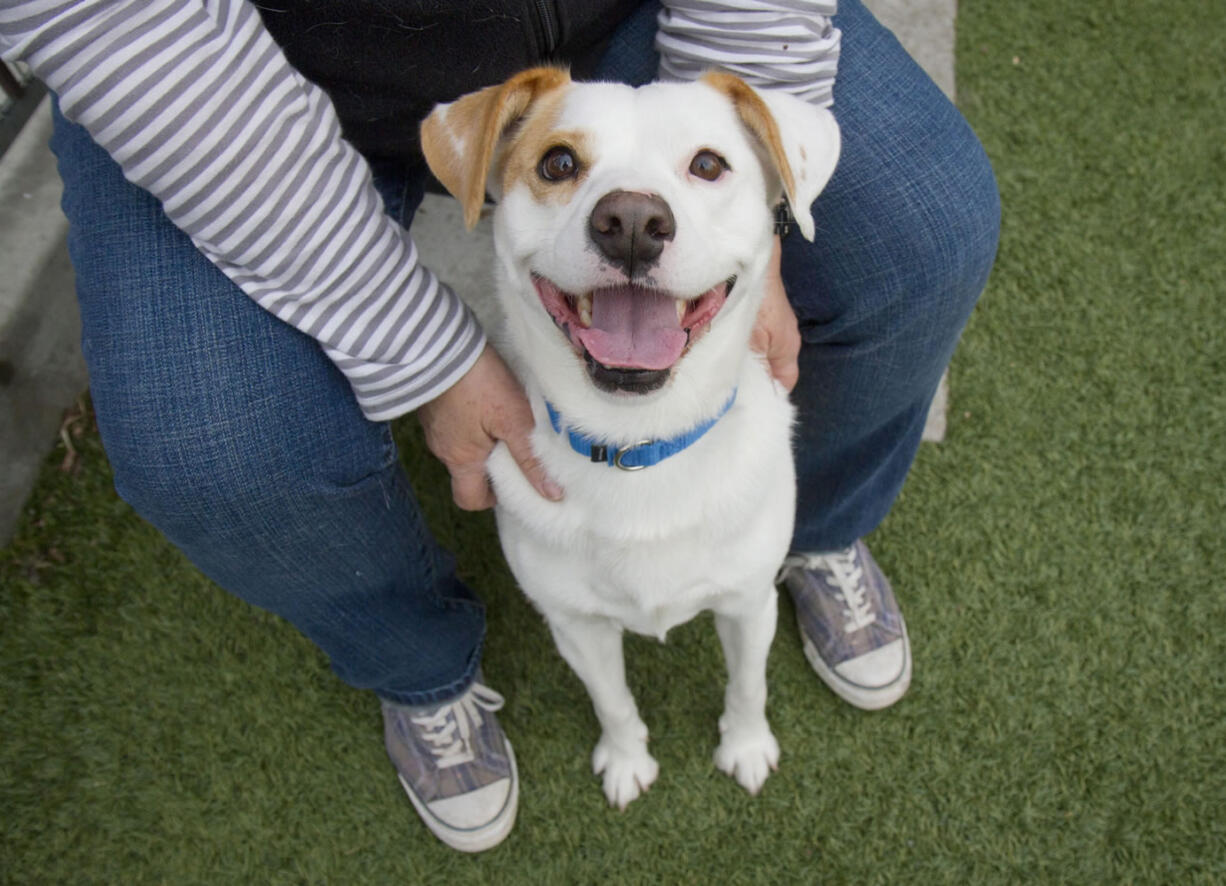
<point>41,368</point>
<point>926,29</point>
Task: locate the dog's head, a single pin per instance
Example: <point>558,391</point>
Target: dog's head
<point>638,220</point>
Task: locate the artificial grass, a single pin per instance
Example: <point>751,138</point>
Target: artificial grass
<point>1059,559</point>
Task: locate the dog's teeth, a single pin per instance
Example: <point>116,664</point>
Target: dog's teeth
<point>682,307</point>
<point>583,306</point>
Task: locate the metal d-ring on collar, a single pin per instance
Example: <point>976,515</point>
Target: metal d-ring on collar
<point>638,455</point>
<point>621,454</point>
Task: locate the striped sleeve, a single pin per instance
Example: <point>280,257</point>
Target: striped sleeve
<point>198,105</point>
<point>776,44</point>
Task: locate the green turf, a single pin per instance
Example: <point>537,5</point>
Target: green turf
<point>1060,560</point>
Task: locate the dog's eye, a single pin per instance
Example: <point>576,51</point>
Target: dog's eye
<point>708,165</point>
<point>558,164</point>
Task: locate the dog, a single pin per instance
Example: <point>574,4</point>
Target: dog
<point>633,229</point>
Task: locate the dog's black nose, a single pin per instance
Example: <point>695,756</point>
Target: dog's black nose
<point>631,228</point>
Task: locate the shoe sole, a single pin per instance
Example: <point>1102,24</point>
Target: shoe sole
<point>479,839</point>
<point>864,697</point>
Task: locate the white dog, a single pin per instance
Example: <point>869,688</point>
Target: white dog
<point>633,230</point>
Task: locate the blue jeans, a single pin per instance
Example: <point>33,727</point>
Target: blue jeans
<point>236,437</point>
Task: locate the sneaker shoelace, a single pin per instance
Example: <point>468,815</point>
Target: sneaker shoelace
<point>843,571</point>
<point>448,729</point>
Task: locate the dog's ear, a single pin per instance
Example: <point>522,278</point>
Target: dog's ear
<point>460,139</point>
<point>802,140</point>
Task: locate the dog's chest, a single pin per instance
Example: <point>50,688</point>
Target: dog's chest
<point>656,587</point>
<point>647,587</point>
<point>651,584</point>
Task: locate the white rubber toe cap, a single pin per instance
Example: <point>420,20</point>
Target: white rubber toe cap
<point>477,820</point>
<point>875,669</point>
<point>474,809</point>
<point>871,681</point>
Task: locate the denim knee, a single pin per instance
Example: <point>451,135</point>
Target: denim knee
<point>901,251</point>
<point>202,474</point>
<point>208,406</point>
<point>908,225</point>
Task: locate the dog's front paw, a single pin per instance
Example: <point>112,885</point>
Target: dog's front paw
<point>748,755</point>
<point>628,770</point>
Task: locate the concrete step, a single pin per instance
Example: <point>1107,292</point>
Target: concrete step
<point>41,368</point>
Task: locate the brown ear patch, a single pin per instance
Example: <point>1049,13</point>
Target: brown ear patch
<point>758,119</point>
<point>460,139</point>
<point>532,141</point>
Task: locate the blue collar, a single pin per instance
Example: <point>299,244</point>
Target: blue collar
<point>634,456</point>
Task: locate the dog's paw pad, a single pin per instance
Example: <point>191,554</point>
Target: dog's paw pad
<point>749,758</point>
<point>627,773</point>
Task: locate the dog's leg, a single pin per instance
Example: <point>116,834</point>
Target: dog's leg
<point>747,750</point>
<point>593,649</point>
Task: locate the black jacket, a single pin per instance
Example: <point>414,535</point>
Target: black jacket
<point>385,63</point>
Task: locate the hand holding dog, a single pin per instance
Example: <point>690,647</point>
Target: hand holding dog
<point>464,423</point>
<point>775,334</point>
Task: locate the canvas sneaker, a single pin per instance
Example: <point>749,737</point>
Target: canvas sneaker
<point>457,767</point>
<point>852,630</point>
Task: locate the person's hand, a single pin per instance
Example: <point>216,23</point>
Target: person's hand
<point>776,334</point>
<point>464,422</point>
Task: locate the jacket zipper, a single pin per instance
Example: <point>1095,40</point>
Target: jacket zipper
<point>546,26</point>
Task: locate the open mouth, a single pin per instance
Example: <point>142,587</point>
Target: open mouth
<point>631,336</point>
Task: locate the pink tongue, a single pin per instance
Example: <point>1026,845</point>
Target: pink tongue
<point>633,328</point>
